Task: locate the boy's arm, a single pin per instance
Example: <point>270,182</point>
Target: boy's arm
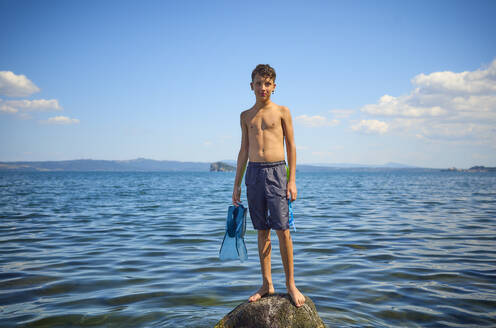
<point>241,164</point>
<point>287,125</point>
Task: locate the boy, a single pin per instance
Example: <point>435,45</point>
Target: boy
<point>264,129</point>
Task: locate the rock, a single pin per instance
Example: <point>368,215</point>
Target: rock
<point>221,167</point>
<point>273,311</point>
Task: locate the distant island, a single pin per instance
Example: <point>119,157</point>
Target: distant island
<point>472,169</point>
<point>221,167</point>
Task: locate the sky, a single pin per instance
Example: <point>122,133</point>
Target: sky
<point>367,82</point>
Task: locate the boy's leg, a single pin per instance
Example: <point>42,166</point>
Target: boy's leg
<point>286,248</point>
<point>264,249</point>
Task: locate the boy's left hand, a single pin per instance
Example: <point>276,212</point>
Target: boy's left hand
<point>291,191</point>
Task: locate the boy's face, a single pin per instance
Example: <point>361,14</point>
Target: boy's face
<point>262,86</point>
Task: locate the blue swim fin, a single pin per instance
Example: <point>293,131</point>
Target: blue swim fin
<point>291,218</point>
<point>233,246</point>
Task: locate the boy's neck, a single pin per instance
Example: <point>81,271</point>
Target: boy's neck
<point>261,103</point>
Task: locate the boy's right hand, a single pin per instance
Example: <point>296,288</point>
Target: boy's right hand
<point>236,196</point>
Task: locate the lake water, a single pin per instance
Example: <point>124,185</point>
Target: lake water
<point>372,249</point>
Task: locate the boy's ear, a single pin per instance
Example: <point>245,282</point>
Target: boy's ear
<point>251,85</point>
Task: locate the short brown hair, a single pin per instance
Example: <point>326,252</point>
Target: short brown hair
<point>264,70</point>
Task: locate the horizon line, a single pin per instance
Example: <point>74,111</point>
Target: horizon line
<point>406,166</point>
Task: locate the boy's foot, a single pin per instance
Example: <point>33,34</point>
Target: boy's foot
<point>297,297</point>
<point>264,290</point>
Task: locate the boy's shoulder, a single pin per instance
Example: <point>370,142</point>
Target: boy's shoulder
<point>280,108</point>
<point>284,109</point>
<point>246,111</point>
<point>244,114</point>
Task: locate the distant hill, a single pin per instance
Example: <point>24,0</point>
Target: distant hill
<point>143,164</point>
<point>139,164</point>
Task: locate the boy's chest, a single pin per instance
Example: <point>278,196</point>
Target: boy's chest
<point>264,122</point>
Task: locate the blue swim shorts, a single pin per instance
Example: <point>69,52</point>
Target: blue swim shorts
<point>266,185</point>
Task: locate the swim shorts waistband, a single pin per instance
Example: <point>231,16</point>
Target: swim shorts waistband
<point>266,164</point>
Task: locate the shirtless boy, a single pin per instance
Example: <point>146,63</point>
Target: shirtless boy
<point>265,127</point>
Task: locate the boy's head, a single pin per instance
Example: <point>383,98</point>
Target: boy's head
<point>263,81</point>
<point>264,70</point>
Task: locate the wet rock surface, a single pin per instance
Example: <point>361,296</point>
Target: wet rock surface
<point>273,311</point>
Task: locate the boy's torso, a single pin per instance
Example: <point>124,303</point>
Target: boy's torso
<point>265,133</point>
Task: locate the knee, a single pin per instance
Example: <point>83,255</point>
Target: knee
<point>284,235</point>
<point>264,235</point>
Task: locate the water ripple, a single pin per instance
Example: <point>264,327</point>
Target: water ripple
<point>373,249</point>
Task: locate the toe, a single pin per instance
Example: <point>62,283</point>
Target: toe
<point>255,297</point>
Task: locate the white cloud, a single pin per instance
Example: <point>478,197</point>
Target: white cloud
<point>479,81</point>
<point>39,105</point>
<point>61,120</point>
<point>7,108</point>
<point>442,93</point>
<point>12,85</point>
<point>371,126</point>
<point>392,106</point>
<point>315,121</point>
<point>442,105</point>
